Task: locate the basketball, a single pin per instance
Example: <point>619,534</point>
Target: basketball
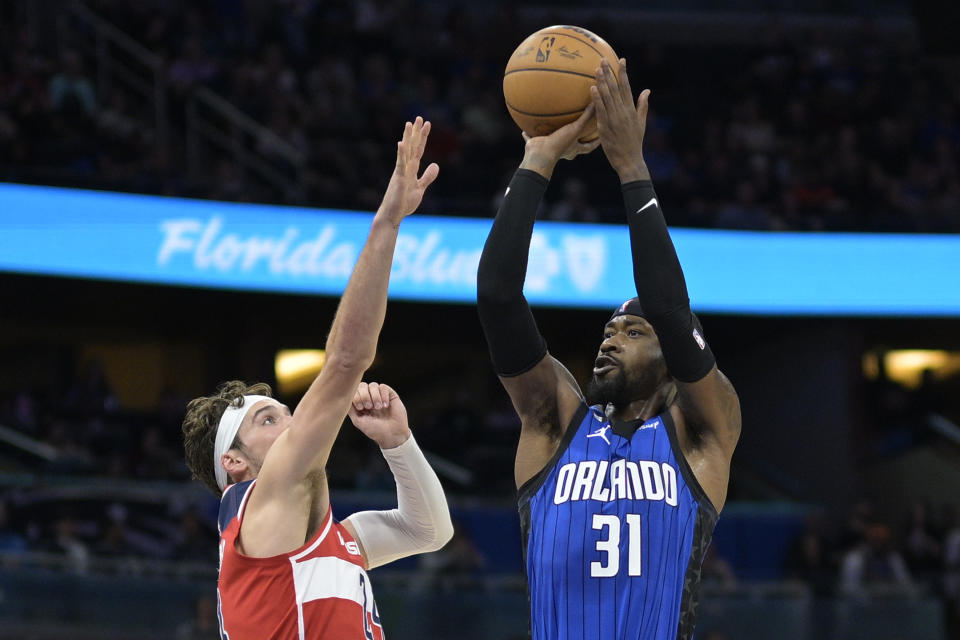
<point>548,77</point>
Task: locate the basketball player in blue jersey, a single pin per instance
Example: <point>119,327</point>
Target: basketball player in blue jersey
<point>619,489</point>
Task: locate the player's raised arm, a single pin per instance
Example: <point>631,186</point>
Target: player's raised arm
<point>543,392</point>
<point>708,403</point>
<point>287,566</point>
<point>351,346</point>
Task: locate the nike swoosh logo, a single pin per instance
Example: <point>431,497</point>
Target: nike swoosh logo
<point>653,201</point>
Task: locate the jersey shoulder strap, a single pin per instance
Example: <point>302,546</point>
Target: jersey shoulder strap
<point>531,486</point>
<point>230,503</point>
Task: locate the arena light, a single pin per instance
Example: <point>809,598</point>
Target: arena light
<point>295,369</point>
<point>906,366</point>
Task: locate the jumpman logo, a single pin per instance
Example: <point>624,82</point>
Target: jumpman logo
<point>601,433</point>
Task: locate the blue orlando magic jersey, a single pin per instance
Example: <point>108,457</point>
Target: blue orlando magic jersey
<point>615,529</point>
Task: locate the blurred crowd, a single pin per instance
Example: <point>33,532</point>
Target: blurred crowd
<point>81,435</point>
<point>864,556</point>
<point>88,432</point>
<point>85,433</point>
<point>90,435</point>
<point>112,494</point>
<point>789,131</point>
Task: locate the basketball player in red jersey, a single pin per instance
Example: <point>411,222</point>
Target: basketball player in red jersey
<point>287,568</point>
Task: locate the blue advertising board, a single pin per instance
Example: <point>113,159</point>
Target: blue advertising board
<point>91,234</point>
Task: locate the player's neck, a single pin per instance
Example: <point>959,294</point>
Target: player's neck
<point>632,412</point>
<point>642,409</point>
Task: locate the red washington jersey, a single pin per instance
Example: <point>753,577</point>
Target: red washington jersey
<point>317,592</point>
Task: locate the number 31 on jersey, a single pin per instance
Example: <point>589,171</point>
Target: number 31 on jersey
<point>609,544</point>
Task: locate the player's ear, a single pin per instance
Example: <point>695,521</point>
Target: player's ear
<point>234,464</point>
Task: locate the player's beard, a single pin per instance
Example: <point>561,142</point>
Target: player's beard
<point>253,461</point>
<point>620,388</point>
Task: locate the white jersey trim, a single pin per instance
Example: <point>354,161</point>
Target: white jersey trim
<point>331,577</point>
<point>243,502</point>
<point>301,578</point>
<point>318,539</point>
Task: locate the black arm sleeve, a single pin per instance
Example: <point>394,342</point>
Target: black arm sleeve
<point>661,287</point>
<point>515,343</point>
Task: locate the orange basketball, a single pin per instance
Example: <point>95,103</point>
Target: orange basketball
<point>547,80</point>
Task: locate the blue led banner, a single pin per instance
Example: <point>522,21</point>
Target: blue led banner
<point>68,232</point>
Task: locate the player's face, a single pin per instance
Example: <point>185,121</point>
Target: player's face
<point>262,425</point>
<point>629,365</point>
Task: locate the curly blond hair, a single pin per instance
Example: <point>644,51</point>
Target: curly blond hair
<point>200,427</point>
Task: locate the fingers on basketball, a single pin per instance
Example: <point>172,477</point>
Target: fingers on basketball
<point>597,99</point>
<point>626,93</point>
<point>588,113</point>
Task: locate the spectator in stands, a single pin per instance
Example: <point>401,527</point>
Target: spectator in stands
<point>91,396</point>
<point>810,556</point>
<point>455,565</point>
<point>118,122</point>
<point>66,541</point>
<point>744,212</point>
<point>154,458</point>
<point>574,206</point>
<point>853,531</point>
<point>71,92</point>
<point>12,542</point>
<point>921,546</point>
<point>834,154</point>
<point>72,456</point>
<point>193,67</point>
<point>951,574</point>
<point>115,541</point>
<point>203,624</point>
<point>22,411</point>
<point>194,541</point>
<point>874,566</point>
<point>716,571</point>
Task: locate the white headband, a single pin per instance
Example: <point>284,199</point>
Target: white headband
<point>226,432</point>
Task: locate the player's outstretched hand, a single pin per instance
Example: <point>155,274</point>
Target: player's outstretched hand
<point>406,189</point>
<point>543,152</point>
<point>621,125</point>
<point>376,410</point>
